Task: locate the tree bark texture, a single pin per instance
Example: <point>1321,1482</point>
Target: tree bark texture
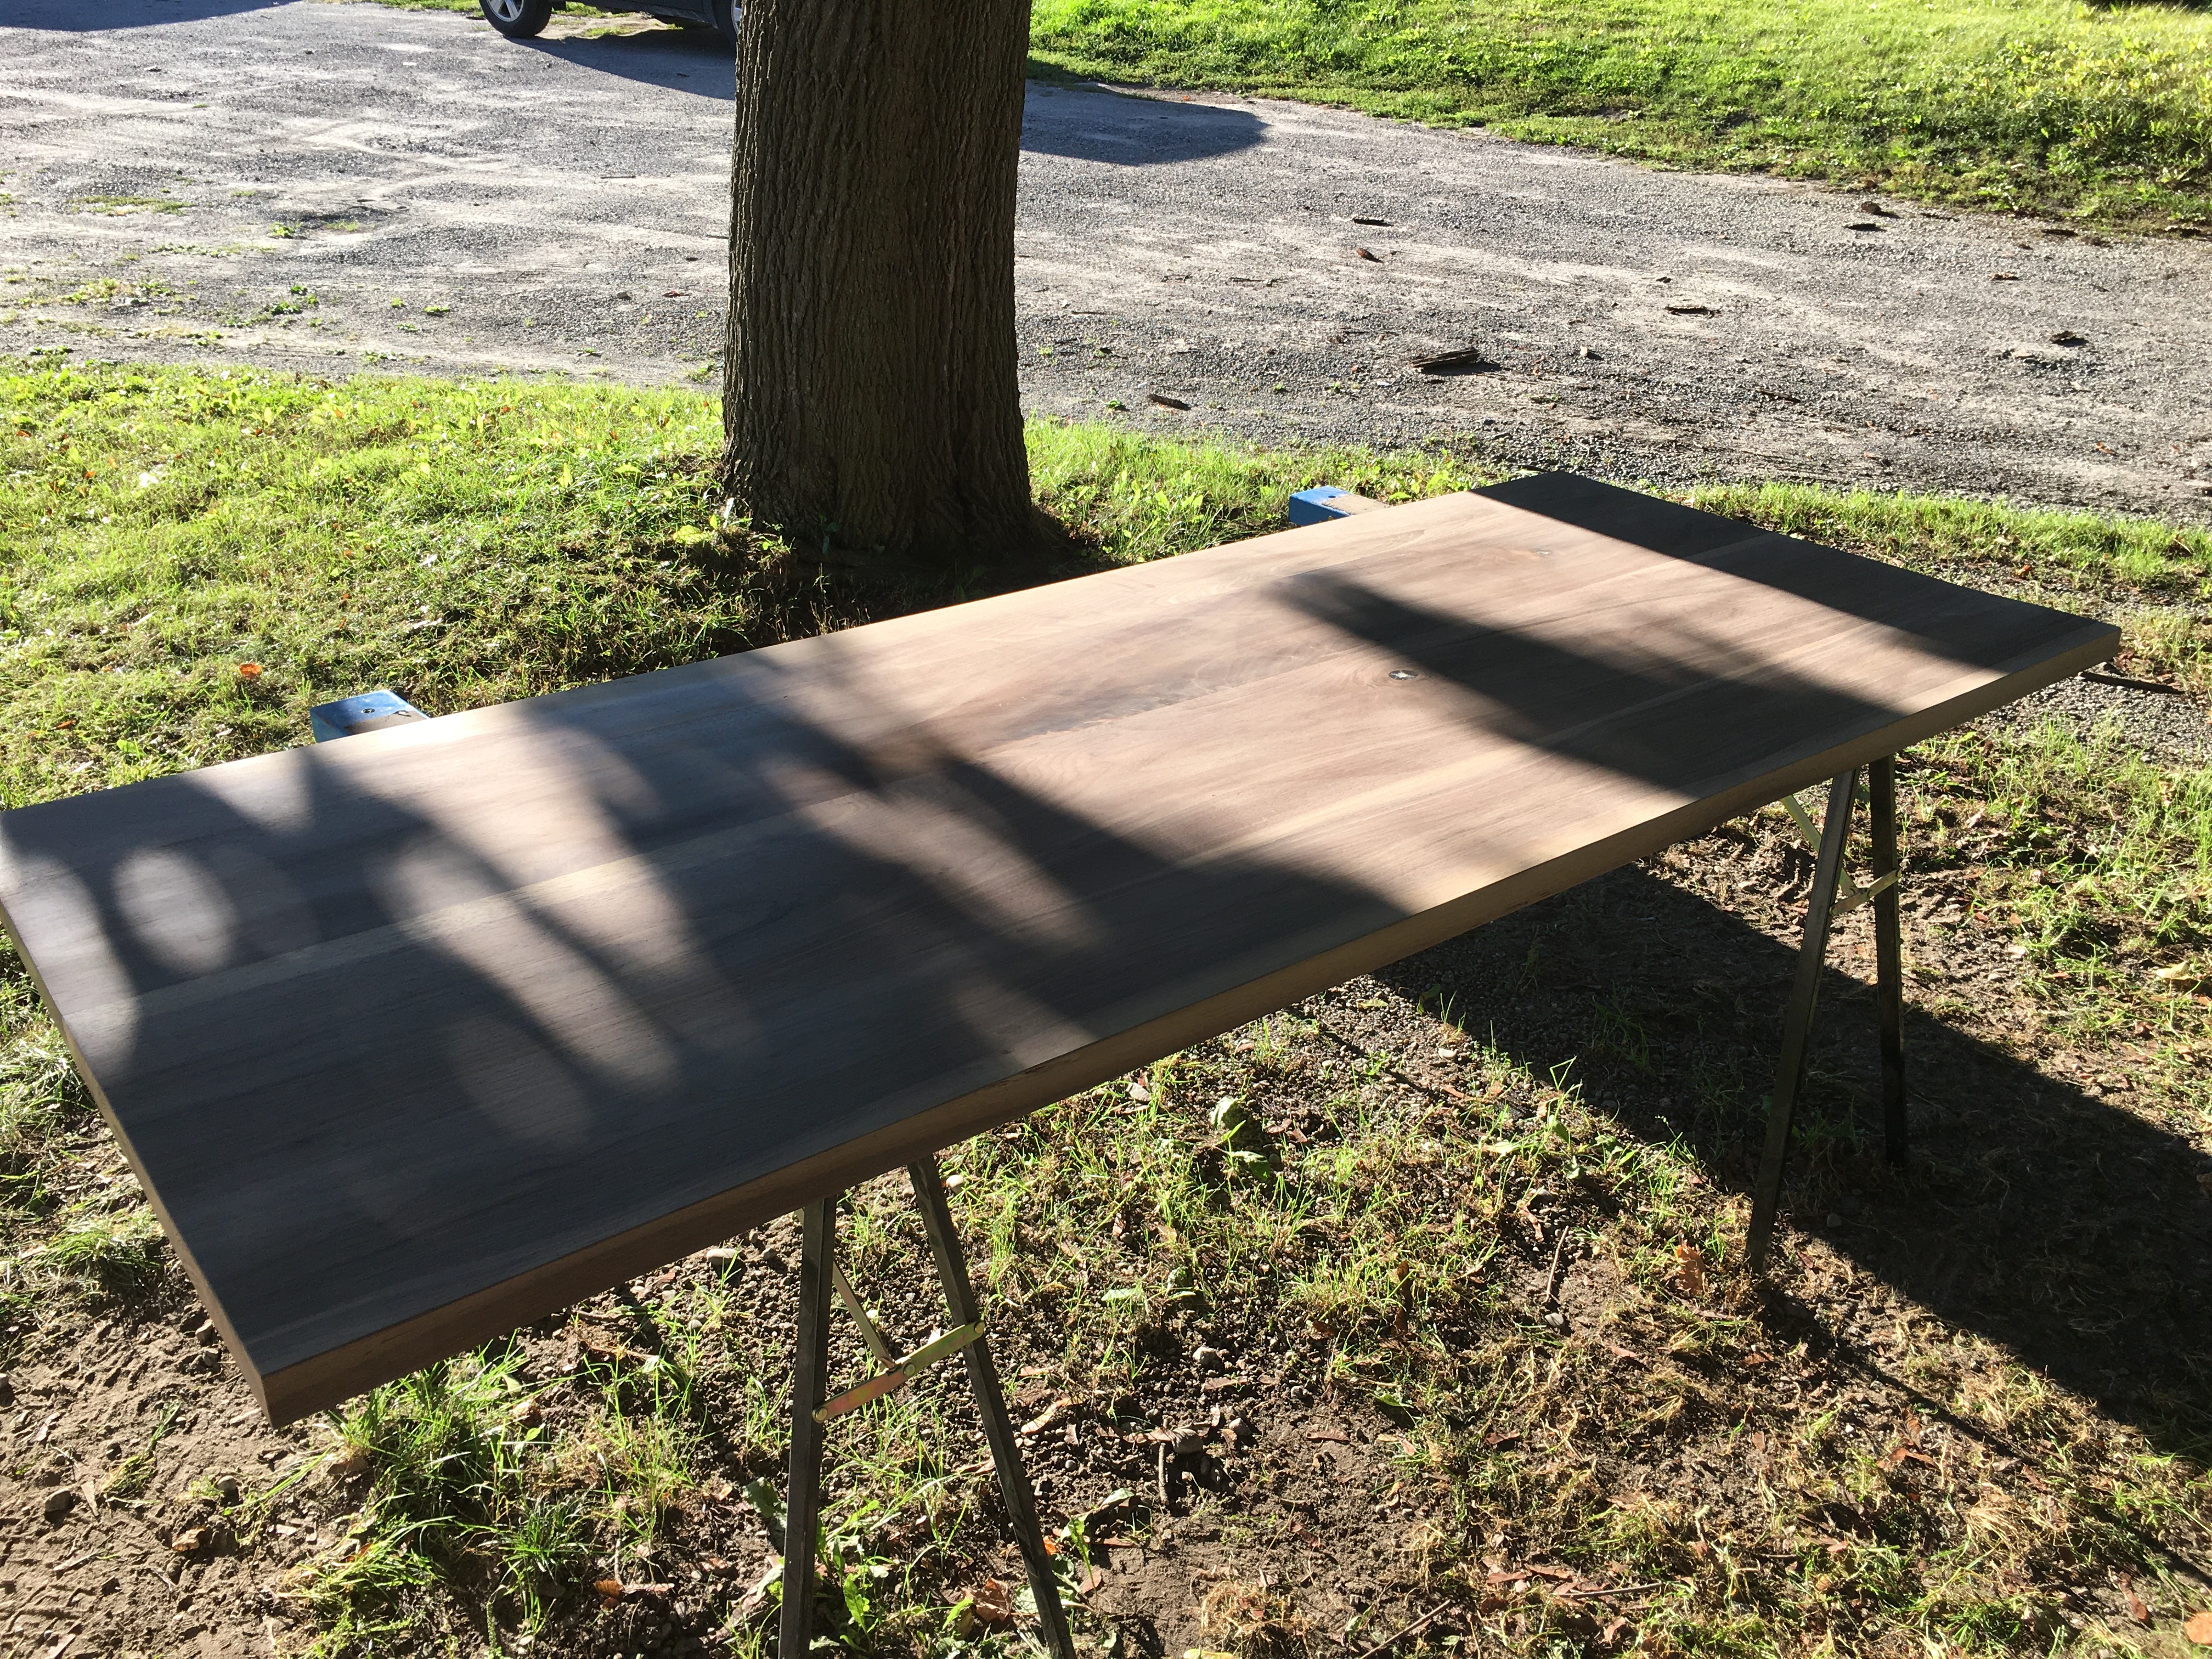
<point>869,396</point>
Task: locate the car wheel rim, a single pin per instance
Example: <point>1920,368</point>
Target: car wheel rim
<point>506,11</point>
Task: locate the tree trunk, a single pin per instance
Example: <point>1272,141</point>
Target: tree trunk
<point>869,396</point>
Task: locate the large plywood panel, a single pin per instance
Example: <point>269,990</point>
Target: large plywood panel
<point>418,1034</point>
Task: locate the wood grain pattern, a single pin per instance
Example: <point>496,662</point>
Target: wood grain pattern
<point>420,1034</point>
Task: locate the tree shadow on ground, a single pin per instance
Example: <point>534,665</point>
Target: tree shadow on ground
<point>2068,1228</point>
<point>73,17</point>
<point>1084,124</point>
<point>692,60</point>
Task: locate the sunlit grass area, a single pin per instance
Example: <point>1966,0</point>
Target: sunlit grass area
<point>2042,106</point>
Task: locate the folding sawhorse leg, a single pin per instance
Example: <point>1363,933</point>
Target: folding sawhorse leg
<point>819,1279</point>
<point>1824,905</point>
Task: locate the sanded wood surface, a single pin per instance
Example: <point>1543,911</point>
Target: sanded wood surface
<point>418,1034</point>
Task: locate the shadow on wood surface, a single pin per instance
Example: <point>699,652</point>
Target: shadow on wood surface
<point>572,1002</point>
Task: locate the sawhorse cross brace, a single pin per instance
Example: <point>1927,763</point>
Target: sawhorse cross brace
<point>820,1279</point>
<point>1833,896</point>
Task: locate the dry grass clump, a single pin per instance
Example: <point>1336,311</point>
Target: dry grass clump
<point>1255,1621</point>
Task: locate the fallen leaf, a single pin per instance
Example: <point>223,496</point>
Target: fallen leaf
<point>1045,1418</point>
<point>1693,310</point>
<point>2067,336</point>
<point>612,1590</point>
<point>1093,1581</point>
<point>190,1541</point>
<point>994,1602</point>
<point>1166,401</point>
<point>1358,221</point>
<point>674,293</point>
<point>2199,1628</point>
<point>249,670</point>
<point>1364,254</point>
<point>1689,1269</point>
<point>2004,276</point>
<point>2137,1610</point>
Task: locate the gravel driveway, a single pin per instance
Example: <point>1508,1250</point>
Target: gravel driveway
<point>328,186</point>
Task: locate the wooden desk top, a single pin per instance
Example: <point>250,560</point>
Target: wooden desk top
<point>417,1036</point>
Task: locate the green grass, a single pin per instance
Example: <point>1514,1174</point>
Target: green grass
<point>198,559</point>
<point>471,542</point>
<point>2099,112</point>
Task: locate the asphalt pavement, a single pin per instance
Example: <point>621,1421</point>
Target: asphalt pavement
<point>331,187</point>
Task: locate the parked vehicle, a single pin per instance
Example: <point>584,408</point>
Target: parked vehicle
<point>519,20</point>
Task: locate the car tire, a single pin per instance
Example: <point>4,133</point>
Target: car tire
<point>726,14</point>
<point>517,19</point>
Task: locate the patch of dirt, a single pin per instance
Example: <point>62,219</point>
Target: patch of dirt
<point>130,1571</point>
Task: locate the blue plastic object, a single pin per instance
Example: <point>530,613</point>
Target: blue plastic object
<point>369,712</point>
<point>1313,505</point>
